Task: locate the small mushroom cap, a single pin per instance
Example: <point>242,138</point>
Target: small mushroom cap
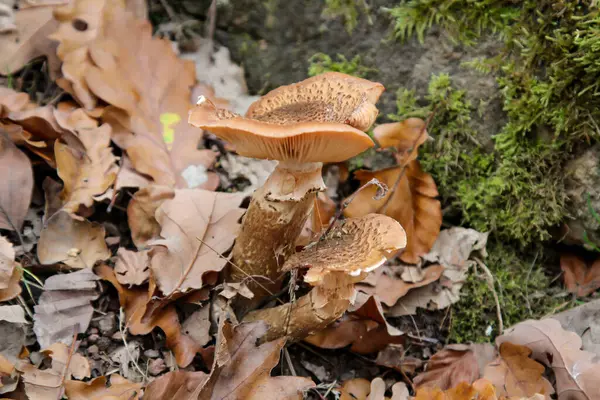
<point>320,119</point>
<point>358,246</point>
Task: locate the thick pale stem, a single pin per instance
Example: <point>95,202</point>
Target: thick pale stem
<point>314,311</point>
<point>273,223</point>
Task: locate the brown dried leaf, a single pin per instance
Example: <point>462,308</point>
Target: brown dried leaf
<point>394,356</point>
<point>16,185</point>
<point>576,371</point>
<point>389,288</point>
<point>481,389</point>
<point>580,278</point>
<point>97,389</point>
<point>421,221</point>
<point>176,385</point>
<point>135,301</point>
<point>77,243</point>
<point>10,271</point>
<point>79,366</point>
<point>29,41</point>
<point>403,136</point>
<point>64,305</point>
<point>366,329</point>
<point>241,369</point>
<point>362,389</point>
<point>13,314</point>
<point>141,213</point>
<point>322,213</point>
<point>455,364</point>
<point>11,101</point>
<point>197,326</point>
<point>197,226</point>
<point>86,175</point>
<point>132,267</point>
<point>513,373</point>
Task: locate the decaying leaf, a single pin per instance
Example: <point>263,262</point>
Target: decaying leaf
<point>362,389</point>
<point>421,220</point>
<point>241,369</point>
<point>584,320</point>
<point>455,364</point>
<point>481,389</point>
<point>73,241</point>
<point>394,356</point>
<point>64,306</point>
<point>16,185</point>
<point>576,371</point>
<point>141,213</point>
<point>86,175</point>
<point>97,389</point>
<point>10,271</point>
<point>454,246</point>
<point>132,267</point>
<point>79,366</point>
<point>197,227</point>
<point>513,373</point>
<point>13,314</point>
<point>366,329</point>
<point>176,385</point>
<point>9,378</point>
<point>197,326</point>
<point>580,278</point>
<point>134,302</point>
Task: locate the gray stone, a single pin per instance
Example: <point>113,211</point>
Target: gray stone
<point>108,324</point>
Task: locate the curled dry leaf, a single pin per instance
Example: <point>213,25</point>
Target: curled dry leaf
<point>580,278</point>
<point>11,101</point>
<point>421,220</point>
<point>64,306</point>
<point>134,302</point>
<point>197,227</point>
<point>73,241</point>
<point>366,329</point>
<point>10,271</point>
<point>455,364</point>
<point>513,373</point>
<point>576,371</point>
<point>141,213</point>
<point>16,185</point>
<point>132,267</point>
<point>86,175</point>
<point>406,136</point>
<point>98,389</point>
<point>322,212</point>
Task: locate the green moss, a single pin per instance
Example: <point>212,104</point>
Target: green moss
<point>348,10</point>
<point>523,292</point>
<point>321,62</point>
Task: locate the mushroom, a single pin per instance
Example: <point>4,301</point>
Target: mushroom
<point>344,257</point>
<point>302,125</point>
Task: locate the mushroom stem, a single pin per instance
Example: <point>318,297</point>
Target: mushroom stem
<point>314,311</point>
<point>273,223</point>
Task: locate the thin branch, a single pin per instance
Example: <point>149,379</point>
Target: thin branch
<point>490,282</point>
<point>68,363</point>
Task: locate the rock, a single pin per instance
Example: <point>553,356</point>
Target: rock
<point>103,343</point>
<point>117,337</point>
<point>583,180</point>
<point>92,350</point>
<point>93,338</point>
<point>156,366</point>
<point>108,324</point>
<point>151,353</point>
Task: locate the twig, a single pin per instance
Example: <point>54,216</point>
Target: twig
<point>212,23</point>
<point>490,282</point>
<point>27,310</point>
<point>68,363</point>
<point>527,282</point>
<point>230,262</point>
<point>123,334</point>
<point>115,190</point>
<point>286,353</point>
<point>330,388</point>
<point>381,192</point>
<point>413,150</point>
<point>168,9</point>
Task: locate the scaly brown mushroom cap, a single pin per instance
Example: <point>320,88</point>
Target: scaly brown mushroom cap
<point>358,246</point>
<point>320,119</point>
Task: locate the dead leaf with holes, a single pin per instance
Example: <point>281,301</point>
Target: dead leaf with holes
<point>63,306</point>
<point>576,371</point>
<point>86,175</point>
<point>455,364</point>
<point>132,267</point>
<point>73,241</point>
<point>149,106</point>
<point>134,302</point>
<point>16,185</point>
<point>241,370</point>
<point>197,227</point>
<point>513,373</point>
<point>581,278</point>
<point>10,271</point>
<point>366,329</point>
<point>141,213</point>
<point>413,204</point>
<point>99,389</point>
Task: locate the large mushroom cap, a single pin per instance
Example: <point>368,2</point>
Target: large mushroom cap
<point>359,245</point>
<point>320,119</point>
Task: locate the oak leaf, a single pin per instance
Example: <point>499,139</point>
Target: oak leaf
<point>580,279</point>
<point>513,373</point>
<point>16,186</point>
<point>86,175</point>
<point>197,227</point>
<point>576,371</point>
<point>73,241</point>
<point>97,389</point>
<point>141,213</point>
<point>455,364</point>
<point>132,267</point>
<point>413,203</point>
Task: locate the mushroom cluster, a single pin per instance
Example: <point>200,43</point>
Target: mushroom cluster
<point>303,125</point>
